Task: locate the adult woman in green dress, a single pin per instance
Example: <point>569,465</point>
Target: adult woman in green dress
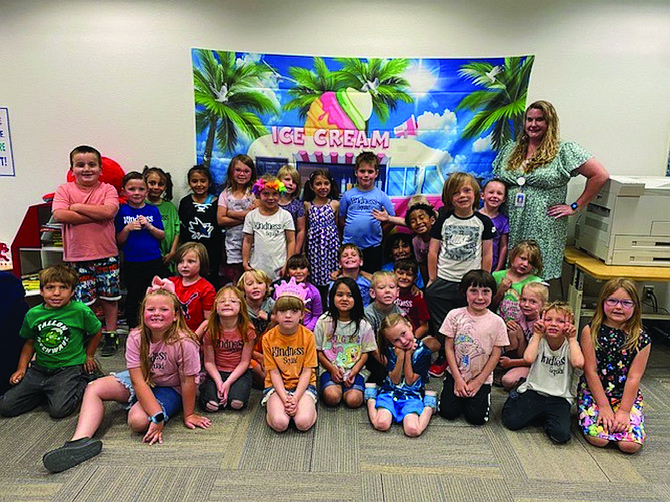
<point>536,170</point>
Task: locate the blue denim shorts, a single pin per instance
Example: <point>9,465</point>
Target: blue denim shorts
<point>167,397</point>
<point>325,380</point>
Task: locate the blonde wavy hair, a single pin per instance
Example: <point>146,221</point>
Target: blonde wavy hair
<point>178,332</point>
<point>632,327</point>
<point>548,148</point>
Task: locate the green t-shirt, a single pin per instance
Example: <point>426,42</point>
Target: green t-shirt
<point>170,218</point>
<point>59,334</point>
<point>509,308</point>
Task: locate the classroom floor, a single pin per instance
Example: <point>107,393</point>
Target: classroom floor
<point>341,458</point>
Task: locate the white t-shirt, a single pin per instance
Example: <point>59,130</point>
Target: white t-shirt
<point>269,250</point>
<point>474,339</point>
<point>551,374</point>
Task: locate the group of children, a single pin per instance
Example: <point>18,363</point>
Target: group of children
<point>366,331</point>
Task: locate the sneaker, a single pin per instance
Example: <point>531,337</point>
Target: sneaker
<point>370,391</point>
<point>110,345</point>
<point>71,453</point>
<point>430,400</point>
<point>438,368</point>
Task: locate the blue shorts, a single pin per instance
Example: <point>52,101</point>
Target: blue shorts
<point>97,279</point>
<point>325,380</point>
<point>167,397</point>
<point>399,407</point>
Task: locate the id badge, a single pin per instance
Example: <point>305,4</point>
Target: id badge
<point>520,200</point>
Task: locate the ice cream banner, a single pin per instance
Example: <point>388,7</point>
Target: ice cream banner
<point>423,118</point>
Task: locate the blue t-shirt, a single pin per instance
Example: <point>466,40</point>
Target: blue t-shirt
<point>388,267</point>
<point>141,245</point>
<point>360,227</point>
<point>420,364</point>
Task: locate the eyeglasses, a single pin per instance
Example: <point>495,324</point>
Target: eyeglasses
<point>613,302</point>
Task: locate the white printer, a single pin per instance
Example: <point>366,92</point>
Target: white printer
<point>628,223</point>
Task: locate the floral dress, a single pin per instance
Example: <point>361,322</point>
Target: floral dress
<point>613,364</point>
<point>322,243</point>
<point>546,186</point>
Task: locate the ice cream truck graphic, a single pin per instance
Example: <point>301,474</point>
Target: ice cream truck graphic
<point>335,132</point>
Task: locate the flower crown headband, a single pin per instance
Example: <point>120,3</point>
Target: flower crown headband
<point>274,185</point>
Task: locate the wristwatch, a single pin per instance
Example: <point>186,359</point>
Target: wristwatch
<point>157,418</point>
<point>574,206</point>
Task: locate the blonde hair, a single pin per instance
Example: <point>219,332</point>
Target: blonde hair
<point>258,276</point>
<point>383,274</point>
<point>548,148</point>
<point>200,251</point>
<point>539,288</point>
<point>288,170</point>
<point>388,322</point>
<point>532,249</point>
<point>178,332</point>
<point>559,306</point>
<point>453,184</point>
<point>633,326</point>
<point>243,321</point>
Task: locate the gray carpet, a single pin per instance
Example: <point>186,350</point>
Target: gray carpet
<point>341,458</point>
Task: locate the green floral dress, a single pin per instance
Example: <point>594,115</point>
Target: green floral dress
<point>544,187</point>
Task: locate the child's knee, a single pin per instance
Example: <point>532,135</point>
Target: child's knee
<point>629,446</point>
<point>236,404</point>
<point>382,423</point>
<point>278,423</point>
<point>64,410</point>
<point>305,423</point>
<point>353,399</point>
<point>595,441</point>
<point>332,395</point>
<point>412,429</point>
<point>138,422</point>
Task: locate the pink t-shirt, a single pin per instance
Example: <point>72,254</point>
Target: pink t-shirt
<point>87,241</point>
<point>474,339</point>
<point>228,350</point>
<point>168,359</point>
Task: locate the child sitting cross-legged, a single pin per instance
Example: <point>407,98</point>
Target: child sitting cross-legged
<point>554,354</point>
<point>289,354</point>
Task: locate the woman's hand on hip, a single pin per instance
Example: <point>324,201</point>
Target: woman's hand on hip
<point>560,210</point>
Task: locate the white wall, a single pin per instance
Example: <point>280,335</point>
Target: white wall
<point>117,75</point>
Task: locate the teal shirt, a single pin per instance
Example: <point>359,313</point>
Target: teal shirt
<point>59,334</point>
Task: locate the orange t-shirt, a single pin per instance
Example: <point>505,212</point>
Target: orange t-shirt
<point>289,354</point>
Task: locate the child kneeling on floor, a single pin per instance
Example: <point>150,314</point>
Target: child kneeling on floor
<point>289,354</point>
<point>401,397</point>
<point>547,395</point>
<point>163,361</point>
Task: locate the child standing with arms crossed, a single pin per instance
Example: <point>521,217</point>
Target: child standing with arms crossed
<point>269,234</point>
<point>290,201</point>
<point>228,343</point>
<point>461,240</point>
<point>322,209</point>
<point>159,194</point>
<point>616,350</point>
<point>63,335</point>
<point>475,337</point>
<point>356,206</point>
<point>493,195</point>
<point>235,202</point>
<point>139,231</point>
<point>163,360</point>
<point>87,208</point>
<point>197,215</point>
<point>553,353</point>
<point>290,359</point>
<point>344,340</point>
<point>401,397</point>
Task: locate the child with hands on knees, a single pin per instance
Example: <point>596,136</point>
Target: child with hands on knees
<point>163,361</point>
<point>553,353</point>
<point>290,201</point>
<point>235,202</point>
<point>616,350</point>
<point>525,261</point>
<point>228,343</point>
<point>195,292</point>
<point>289,353</point>
<point>475,337</point>
<point>401,397</point>
<point>534,296</point>
<point>494,193</point>
<point>269,233</point>
<point>344,340</point>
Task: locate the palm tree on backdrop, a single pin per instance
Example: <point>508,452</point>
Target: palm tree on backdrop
<point>501,103</point>
<point>309,85</point>
<point>228,101</point>
<point>382,78</point>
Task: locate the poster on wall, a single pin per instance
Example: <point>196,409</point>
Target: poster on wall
<point>423,118</point>
<point>6,156</point>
